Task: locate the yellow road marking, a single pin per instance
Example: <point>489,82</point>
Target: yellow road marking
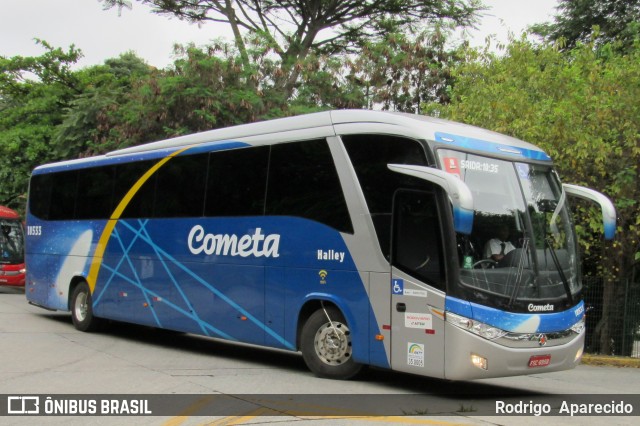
<point>190,410</point>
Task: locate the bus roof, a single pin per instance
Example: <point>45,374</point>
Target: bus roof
<point>424,125</point>
<point>323,124</point>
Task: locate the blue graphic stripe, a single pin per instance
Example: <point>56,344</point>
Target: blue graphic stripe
<point>213,289</point>
<point>115,273</point>
<point>491,147</point>
<point>177,308</point>
<point>117,267</point>
<point>136,277</point>
<point>547,322</point>
<point>173,279</point>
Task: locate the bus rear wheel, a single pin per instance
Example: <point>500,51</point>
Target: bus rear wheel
<point>327,347</point>
<point>82,309</point>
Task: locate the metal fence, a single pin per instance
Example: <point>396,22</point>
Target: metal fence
<point>624,317</point>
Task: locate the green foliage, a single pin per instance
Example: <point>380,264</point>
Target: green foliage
<point>104,87</point>
<point>401,72</point>
<point>578,20</point>
<point>293,30</point>
<point>204,89</point>
<point>33,93</point>
<point>582,108</point>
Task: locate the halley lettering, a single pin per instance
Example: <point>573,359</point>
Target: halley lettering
<point>257,245</point>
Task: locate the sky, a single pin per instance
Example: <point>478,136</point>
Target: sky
<point>103,34</point>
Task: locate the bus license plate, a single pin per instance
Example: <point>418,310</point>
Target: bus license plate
<point>539,361</point>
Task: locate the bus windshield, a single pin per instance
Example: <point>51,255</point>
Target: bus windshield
<point>521,255</point>
<point>11,242</point>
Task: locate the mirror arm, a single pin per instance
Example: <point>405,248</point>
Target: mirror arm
<point>458,192</point>
<point>608,209</point>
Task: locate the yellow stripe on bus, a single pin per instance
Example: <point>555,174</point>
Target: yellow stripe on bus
<point>96,261</point>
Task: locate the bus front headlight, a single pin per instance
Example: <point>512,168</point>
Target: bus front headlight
<point>476,327</point>
<point>579,326</point>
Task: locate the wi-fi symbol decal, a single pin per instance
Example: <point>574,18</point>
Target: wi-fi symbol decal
<point>323,276</point>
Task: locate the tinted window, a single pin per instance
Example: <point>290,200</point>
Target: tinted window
<point>303,182</point>
<point>95,191</point>
<point>370,155</point>
<point>237,182</point>
<point>417,240</point>
<point>141,205</point>
<point>180,187</point>
<point>40,195</point>
<point>63,195</point>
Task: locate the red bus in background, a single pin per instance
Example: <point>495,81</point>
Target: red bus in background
<point>11,248</point>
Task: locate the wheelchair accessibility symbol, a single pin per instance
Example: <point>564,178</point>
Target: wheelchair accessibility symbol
<point>397,286</point>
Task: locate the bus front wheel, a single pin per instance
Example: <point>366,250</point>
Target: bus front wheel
<point>326,345</point>
<point>82,308</point>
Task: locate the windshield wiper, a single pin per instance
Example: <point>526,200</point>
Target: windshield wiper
<point>563,277</point>
<point>519,272</point>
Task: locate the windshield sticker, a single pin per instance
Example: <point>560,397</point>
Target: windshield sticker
<point>480,166</point>
<point>523,170</point>
<point>452,166</point>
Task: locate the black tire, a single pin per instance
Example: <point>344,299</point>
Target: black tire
<point>326,354</point>
<point>82,309</point>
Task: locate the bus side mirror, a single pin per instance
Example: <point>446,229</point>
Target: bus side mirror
<point>458,192</point>
<point>608,209</point>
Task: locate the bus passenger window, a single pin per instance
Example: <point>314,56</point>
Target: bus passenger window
<point>63,196</point>
<point>303,182</point>
<point>237,182</point>
<point>141,205</point>
<point>95,193</point>
<point>180,187</point>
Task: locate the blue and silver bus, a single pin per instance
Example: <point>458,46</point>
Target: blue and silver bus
<point>355,237</point>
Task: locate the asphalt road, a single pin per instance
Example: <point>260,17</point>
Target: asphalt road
<point>42,354</point>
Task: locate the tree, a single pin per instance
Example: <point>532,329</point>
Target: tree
<point>33,94</point>
<point>294,29</point>
<point>82,131</point>
<point>581,107</point>
<point>209,88</point>
<point>612,20</point>
<point>401,72</point>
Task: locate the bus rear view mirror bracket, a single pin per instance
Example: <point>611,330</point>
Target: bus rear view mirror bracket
<point>458,192</point>
<point>608,209</point>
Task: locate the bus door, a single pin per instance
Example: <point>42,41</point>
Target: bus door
<point>417,285</point>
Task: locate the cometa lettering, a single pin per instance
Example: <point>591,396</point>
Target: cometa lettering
<point>540,308</point>
<point>256,244</point>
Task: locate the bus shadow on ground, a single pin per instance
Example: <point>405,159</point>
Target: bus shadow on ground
<point>391,393</point>
<point>390,382</point>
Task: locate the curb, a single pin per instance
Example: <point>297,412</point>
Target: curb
<point>611,361</point>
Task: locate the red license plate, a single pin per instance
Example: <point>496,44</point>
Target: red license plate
<point>539,361</point>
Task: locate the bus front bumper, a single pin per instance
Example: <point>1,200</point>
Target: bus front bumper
<point>468,356</point>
